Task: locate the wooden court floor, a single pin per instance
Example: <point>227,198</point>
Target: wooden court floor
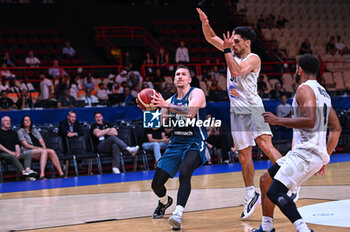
<point>214,205</point>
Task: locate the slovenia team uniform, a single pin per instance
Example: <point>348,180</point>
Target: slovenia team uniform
<point>183,139</point>
<point>246,108</point>
<point>309,153</point>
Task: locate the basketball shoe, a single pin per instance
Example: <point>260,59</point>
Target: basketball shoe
<point>250,205</point>
<point>160,210</point>
<point>261,230</point>
<point>175,220</point>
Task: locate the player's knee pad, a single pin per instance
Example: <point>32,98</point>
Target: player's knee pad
<point>277,193</point>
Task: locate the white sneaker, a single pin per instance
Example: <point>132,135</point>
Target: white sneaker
<point>175,220</point>
<point>115,170</point>
<point>134,150</point>
<point>294,196</point>
<point>250,205</point>
<point>30,173</point>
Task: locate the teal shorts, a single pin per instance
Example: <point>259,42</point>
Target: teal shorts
<point>175,153</point>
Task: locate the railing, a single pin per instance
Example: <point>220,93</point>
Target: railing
<point>197,67</point>
<point>104,33</point>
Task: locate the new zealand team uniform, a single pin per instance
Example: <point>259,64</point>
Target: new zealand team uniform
<point>309,153</point>
<point>183,139</point>
<point>246,108</point>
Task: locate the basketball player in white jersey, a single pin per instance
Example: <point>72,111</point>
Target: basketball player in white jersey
<point>246,107</point>
<point>312,114</point>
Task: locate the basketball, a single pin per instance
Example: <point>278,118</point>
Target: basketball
<point>144,99</point>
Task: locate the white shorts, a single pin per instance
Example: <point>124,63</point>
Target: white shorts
<point>245,128</point>
<point>296,167</point>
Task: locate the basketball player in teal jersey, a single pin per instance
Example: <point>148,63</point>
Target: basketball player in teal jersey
<point>246,106</point>
<point>186,150</point>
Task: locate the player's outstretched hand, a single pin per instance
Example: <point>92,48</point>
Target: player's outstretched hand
<point>322,171</point>
<point>270,118</point>
<point>228,41</point>
<point>203,17</point>
<point>158,100</point>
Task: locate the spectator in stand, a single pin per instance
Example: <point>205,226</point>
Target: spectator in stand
<point>262,86</point>
<point>270,22</point>
<point>261,23</point>
<point>34,145</point>
<point>158,78</point>
<point>110,88</point>
<point>4,84</point>
<point>102,92</point>
<point>281,21</point>
<point>89,98</point>
<point>68,51</point>
<point>167,92</point>
<point>46,88</point>
<point>61,86</point>
<point>148,61</point>
<point>284,110</point>
<point>56,71</point>
<point>105,138</point>
<point>6,102</point>
<point>135,79</point>
<point>144,86</point>
<point>305,48</point>
<point>277,91</point>
<point>31,60</point>
<point>156,141</point>
<point>5,73</point>
<point>340,46</point>
<point>148,81</point>
<point>122,87</point>
<point>182,56</point>
<point>127,59</point>
<point>74,87</point>
<point>330,46</point>
<point>25,100</point>
<point>128,98</point>
<point>66,100</point>
<point>7,60</point>
<point>121,77</point>
<point>162,58</point>
<point>13,88</point>
<point>215,73</point>
<point>89,82</point>
<point>10,150</point>
<point>27,85</point>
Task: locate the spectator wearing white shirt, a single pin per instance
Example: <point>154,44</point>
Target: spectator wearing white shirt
<point>68,51</point>
<point>5,73</point>
<point>13,88</point>
<point>4,85</point>
<point>57,71</point>
<point>340,46</point>
<point>122,76</point>
<point>89,98</point>
<point>74,87</point>
<point>284,110</point>
<point>31,60</point>
<point>27,85</point>
<point>46,88</point>
<point>102,92</point>
<point>182,55</point>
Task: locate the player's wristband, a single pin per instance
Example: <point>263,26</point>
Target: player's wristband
<point>227,50</point>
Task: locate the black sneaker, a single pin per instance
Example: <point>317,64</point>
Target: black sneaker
<point>160,210</point>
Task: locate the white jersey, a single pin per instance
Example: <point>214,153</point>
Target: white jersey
<point>314,139</point>
<point>243,90</point>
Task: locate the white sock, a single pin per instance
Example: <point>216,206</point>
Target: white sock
<point>267,223</point>
<point>179,210</point>
<point>164,199</point>
<point>250,192</point>
<point>301,226</point>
